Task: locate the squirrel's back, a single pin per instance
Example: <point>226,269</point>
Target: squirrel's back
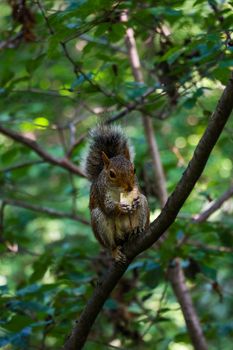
<point>108,139</point>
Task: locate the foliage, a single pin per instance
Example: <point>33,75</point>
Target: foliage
<point>64,67</point>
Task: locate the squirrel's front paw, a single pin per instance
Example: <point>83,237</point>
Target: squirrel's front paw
<point>136,203</point>
<point>126,208</point>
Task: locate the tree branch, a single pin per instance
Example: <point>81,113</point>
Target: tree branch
<point>21,165</point>
<point>55,93</point>
<point>133,106</point>
<point>147,122</point>
<point>62,163</point>
<point>161,224</point>
<point>214,206</point>
<point>177,279</point>
<point>197,244</point>
<point>191,174</point>
<point>75,144</point>
<point>45,210</point>
<point>77,69</point>
<point>103,42</point>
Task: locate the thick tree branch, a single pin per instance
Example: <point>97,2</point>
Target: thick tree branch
<point>45,210</point>
<point>62,163</point>
<point>191,174</point>
<point>161,224</point>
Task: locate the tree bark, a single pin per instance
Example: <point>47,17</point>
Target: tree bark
<point>177,280</point>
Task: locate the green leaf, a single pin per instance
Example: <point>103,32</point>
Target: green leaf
<point>30,289</point>
<point>18,322</point>
<point>209,272</point>
<point>80,80</point>
<point>153,274</point>
<point>222,74</point>
<point>111,304</point>
<point>33,64</point>
<point>3,289</point>
<point>53,47</point>
<point>40,267</point>
<point>10,156</point>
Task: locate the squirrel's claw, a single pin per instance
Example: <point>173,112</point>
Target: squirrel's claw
<point>137,231</point>
<point>126,209</point>
<point>129,209</point>
<point>136,203</point>
<point>118,255</point>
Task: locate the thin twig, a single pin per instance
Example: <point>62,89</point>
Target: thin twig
<point>220,18</point>
<point>63,163</point>
<point>214,206</point>
<point>153,319</point>
<point>197,244</point>
<point>78,70</point>
<point>147,122</point>
<point>55,93</point>
<point>98,20</point>
<point>71,177</point>
<point>104,42</point>
<point>76,67</point>
<point>12,42</point>
<point>21,165</point>
<point>45,210</point>
<point>75,144</point>
<point>134,105</point>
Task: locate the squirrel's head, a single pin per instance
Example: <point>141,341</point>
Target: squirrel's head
<point>120,172</point>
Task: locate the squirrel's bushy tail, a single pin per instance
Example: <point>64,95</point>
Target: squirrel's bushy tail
<point>108,139</point>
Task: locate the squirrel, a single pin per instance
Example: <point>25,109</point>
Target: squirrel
<point>118,208</point>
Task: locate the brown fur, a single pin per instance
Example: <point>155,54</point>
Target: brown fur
<point>112,221</point>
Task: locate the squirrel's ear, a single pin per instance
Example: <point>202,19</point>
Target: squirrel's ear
<point>126,153</point>
<point>105,159</point>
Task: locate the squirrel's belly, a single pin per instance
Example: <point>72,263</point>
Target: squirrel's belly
<point>125,224</point>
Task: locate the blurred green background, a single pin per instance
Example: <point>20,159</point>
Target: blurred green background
<point>64,67</point>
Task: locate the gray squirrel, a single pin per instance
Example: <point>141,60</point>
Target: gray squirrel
<point>118,208</point>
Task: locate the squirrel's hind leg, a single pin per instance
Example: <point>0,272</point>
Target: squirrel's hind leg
<point>103,228</point>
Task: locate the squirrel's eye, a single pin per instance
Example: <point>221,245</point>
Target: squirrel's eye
<point>112,174</point>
